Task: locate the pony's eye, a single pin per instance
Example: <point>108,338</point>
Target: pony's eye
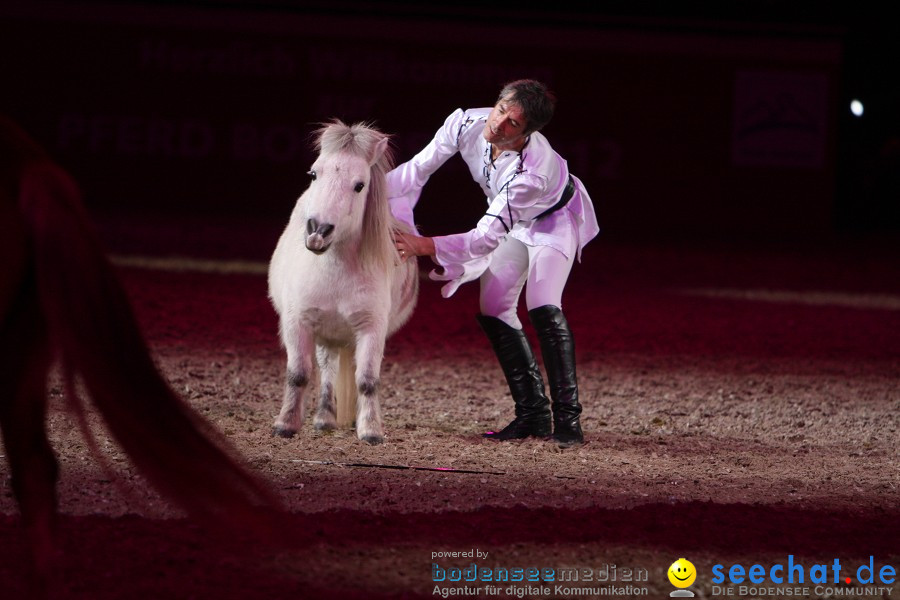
<point>358,187</point>
<point>312,174</point>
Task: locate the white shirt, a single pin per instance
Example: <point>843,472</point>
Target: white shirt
<point>519,187</point>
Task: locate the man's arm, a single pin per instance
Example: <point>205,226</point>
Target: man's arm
<point>409,178</point>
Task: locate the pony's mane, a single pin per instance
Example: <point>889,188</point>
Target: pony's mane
<point>361,139</point>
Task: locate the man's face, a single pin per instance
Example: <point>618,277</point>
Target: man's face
<point>505,126</point>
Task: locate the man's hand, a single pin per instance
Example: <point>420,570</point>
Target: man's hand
<point>408,244</point>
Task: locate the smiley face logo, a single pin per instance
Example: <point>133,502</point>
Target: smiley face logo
<point>682,573</point>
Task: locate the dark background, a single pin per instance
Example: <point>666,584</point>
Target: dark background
<point>686,120</point>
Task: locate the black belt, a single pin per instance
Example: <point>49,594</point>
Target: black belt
<point>564,198</point>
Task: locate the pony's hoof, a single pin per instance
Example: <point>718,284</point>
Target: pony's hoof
<point>372,439</point>
<point>325,427</point>
<point>283,432</point>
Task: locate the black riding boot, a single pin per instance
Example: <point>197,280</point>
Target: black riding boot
<point>524,379</point>
<point>558,350</point>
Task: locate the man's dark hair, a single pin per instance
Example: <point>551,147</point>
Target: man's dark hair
<point>536,100</point>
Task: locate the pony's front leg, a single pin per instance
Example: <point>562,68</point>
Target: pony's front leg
<point>369,352</point>
<point>326,414</point>
<point>299,344</point>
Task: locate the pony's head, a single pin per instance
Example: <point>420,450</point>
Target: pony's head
<point>346,202</point>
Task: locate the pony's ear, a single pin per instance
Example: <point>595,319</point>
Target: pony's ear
<point>379,150</point>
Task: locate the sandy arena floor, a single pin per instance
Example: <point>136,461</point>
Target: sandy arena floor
<point>740,406</point>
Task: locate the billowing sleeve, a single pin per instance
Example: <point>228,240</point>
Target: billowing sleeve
<point>408,179</point>
<point>465,256</point>
<point>521,200</point>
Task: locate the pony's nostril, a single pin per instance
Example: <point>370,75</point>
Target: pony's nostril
<point>311,226</point>
<point>325,230</point>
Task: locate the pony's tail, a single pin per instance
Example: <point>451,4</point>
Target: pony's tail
<point>97,338</point>
<point>345,388</point>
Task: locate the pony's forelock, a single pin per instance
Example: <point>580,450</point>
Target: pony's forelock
<point>359,139</point>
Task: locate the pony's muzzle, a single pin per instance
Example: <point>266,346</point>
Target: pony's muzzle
<point>318,236</point>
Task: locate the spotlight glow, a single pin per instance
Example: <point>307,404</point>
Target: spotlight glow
<point>857,108</point>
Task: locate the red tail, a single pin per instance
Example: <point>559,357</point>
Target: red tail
<point>90,322</point>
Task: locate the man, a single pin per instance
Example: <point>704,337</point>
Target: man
<point>538,220</point>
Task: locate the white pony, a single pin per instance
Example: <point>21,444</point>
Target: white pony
<point>338,284</point>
